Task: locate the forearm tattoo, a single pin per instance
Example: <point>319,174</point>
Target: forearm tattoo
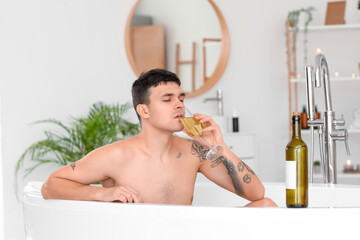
<point>233,175</point>
<point>247,178</point>
<point>241,165</point>
<point>200,151</point>
<point>73,165</point>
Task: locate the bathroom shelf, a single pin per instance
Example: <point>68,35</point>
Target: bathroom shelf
<point>331,27</point>
<point>341,175</point>
<point>350,130</point>
<point>332,79</point>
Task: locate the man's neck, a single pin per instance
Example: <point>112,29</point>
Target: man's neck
<point>157,142</point>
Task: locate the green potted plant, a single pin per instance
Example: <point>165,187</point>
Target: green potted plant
<point>316,167</point>
<point>294,17</point>
<point>104,124</point>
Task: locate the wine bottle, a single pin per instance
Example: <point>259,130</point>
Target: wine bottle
<point>296,167</point>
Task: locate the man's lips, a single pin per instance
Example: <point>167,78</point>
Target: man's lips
<point>179,116</point>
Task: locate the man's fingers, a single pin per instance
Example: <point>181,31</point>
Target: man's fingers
<point>136,196</point>
<point>125,195</point>
<point>121,198</point>
<point>128,196</point>
<point>205,119</point>
<point>210,128</point>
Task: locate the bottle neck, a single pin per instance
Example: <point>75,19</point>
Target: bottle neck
<point>296,129</point>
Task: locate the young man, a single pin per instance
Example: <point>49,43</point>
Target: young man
<point>155,166</point>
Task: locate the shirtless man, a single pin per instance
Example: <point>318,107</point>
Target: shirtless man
<point>155,166</point>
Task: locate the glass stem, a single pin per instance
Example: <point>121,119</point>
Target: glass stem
<point>207,143</point>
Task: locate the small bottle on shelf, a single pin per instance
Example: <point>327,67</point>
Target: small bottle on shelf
<point>304,119</point>
<point>317,114</point>
<point>235,122</point>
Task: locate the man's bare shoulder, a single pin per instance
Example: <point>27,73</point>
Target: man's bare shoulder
<point>122,147</point>
<point>182,141</point>
<point>184,144</point>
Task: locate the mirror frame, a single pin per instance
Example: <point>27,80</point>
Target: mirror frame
<point>220,66</point>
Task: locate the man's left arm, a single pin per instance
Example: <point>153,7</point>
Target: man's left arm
<point>228,171</point>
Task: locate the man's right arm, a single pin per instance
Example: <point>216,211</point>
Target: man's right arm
<point>73,181</point>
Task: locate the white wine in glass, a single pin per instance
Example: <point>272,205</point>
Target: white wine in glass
<point>192,126</point>
<point>194,129</point>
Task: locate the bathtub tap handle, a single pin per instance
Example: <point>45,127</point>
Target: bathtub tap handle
<point>347,143</point>
<point>340,122</point>
<point>342,135</point>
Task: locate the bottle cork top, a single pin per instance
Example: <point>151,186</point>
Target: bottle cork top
<point>296,113</point>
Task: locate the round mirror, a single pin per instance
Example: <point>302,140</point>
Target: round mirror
<point>187,37</point>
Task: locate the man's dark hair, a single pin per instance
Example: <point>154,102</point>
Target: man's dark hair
<point>141,87</point>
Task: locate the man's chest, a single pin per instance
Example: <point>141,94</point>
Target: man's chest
<point>161,184</point>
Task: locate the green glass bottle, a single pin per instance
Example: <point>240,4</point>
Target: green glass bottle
<point>296,167</point>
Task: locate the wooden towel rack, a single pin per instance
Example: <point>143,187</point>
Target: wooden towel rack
<point>192,62</point>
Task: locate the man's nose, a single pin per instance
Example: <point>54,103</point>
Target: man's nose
<point>180,104</point>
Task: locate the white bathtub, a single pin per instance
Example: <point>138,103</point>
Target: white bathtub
<point>333,213</point>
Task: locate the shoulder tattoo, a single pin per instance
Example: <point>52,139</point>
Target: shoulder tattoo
<point>73,165</point>
<point>199,150</point>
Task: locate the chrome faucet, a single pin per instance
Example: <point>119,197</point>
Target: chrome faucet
<point>219,99</point>
<point>328,133</point>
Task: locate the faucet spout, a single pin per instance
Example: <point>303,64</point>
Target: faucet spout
<point>322,74</point>
<point>219,99</point>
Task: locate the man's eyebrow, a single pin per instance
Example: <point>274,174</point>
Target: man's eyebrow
<point>167,95</point>
<point>172,94</point>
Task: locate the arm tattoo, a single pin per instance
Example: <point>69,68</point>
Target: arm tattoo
<point>179,155</point>
<point>199,150</point>
<point>72,166</point>
<point>249,169</point>
<point>247,178</point>
<point>240,166</point>
<point>233,175</point>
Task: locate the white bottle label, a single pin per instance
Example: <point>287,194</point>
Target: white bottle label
<point>290,174</point>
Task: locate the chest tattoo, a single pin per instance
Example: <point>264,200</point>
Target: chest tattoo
<point>179,155</point>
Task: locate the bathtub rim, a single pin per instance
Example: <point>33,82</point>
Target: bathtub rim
<point>32,196</point>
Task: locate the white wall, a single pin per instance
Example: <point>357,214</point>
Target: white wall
<point>2,234</point>
<point>58,57</point>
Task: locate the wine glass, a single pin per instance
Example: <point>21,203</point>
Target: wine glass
<point>194,129</point>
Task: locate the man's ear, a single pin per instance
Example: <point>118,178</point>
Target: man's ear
<point>142,110</point>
